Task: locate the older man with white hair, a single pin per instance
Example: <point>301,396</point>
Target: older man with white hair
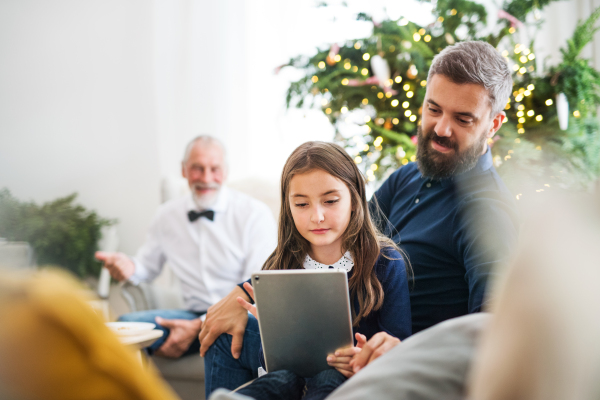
<point>212,239</point>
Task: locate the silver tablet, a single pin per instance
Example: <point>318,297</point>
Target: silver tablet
<point>303,316</point>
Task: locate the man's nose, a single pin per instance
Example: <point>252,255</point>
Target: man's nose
<point>443,127</point>
<point>205,176</point>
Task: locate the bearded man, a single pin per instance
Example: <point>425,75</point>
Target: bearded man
<point>449,212</point>
<point>212,239</point>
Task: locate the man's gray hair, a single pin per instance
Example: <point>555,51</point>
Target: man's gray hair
<point>205,140</point>
<point>476,62</point>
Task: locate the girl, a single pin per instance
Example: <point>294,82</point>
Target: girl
<point>324,221</point>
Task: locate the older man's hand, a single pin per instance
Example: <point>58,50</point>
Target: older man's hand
<point>118,265</point>
<point>182,334</point>
<point>378,345</point>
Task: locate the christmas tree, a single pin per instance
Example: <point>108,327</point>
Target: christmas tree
<point>372,90</point>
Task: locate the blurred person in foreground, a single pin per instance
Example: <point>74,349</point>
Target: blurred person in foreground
<point>436,209</point>
<point>543,342</point>
<point>212,239</point>
<point>54,347</point>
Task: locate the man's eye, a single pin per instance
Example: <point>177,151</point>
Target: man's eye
<point>332,201</point>
<point>433,110</point>
<point>464,121</point>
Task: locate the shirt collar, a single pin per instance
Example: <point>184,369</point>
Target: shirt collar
<point>346,263</point>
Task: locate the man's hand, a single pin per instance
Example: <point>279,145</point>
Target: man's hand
<point>379,344</point>
<point>226,316</point>
<point>182,334</point>
<point>340,360</point>
<point>118,265</point>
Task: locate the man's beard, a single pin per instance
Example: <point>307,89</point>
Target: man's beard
<point>437,165</point>
<point>205,201</point>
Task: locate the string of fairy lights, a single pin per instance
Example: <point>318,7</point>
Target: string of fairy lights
<point>397,97</point>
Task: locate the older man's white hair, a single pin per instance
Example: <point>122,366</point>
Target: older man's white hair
<point>204,140</point>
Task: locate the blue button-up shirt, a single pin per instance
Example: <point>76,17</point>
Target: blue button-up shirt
<point>454,231</point>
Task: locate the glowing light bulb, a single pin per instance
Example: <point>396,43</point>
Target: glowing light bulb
<point>427,38</point>
<point>345,81</point>
<point>395,121</point>
<point>407,113</point>
<point>388,94</point>
<point>328,111</point>
<point>549,102</point>
<point>395,103</point>
<point>380,95</point>
<point>321,64</point>
<point>398,79</point>
<point>344,110</point>
<point>530,113</point>
<point>416,37</point>
<point>358,159</point>
<point>405,104</point>
<point>364,71</point>
<point>538,118</point>
<point>366,56</point>
<point>409,94</point>
<point>413,118</point>
<point>576,114</point>
<point>365,101</point>
<point>357,45</point>
<point>406,86</point>
<point>337,58</point>
<point>315,79</point>
<point>347,65</point>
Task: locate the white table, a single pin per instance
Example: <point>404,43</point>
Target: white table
<point>142,340</point>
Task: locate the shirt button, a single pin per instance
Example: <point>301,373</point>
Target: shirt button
<point>416,201</point>
<point>428,184</point>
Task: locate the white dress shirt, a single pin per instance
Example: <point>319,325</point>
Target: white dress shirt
<point>208,257</point>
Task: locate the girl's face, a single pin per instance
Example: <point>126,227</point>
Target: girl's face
<point>321,206</point>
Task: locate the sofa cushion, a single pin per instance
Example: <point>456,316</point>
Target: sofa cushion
<point>430,365</point>
<point>190,367</point>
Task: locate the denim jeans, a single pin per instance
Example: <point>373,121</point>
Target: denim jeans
<point>221,370</point>
<point>150,316</point>
<point>288,385</point>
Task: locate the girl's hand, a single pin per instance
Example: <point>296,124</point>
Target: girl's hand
<point>245,304</point>
<point>342,357</point>
<point>379,344</point>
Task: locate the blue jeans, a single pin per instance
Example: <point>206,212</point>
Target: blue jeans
<point>287,385</point>
<point>150,316</point>
<point>221,370</point>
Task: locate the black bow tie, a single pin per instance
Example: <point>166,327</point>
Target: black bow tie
<point>193,215</point>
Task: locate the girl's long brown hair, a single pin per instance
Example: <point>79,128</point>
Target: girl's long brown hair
<point>361,237</point>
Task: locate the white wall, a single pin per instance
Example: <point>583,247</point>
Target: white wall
<point>77,111</point>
